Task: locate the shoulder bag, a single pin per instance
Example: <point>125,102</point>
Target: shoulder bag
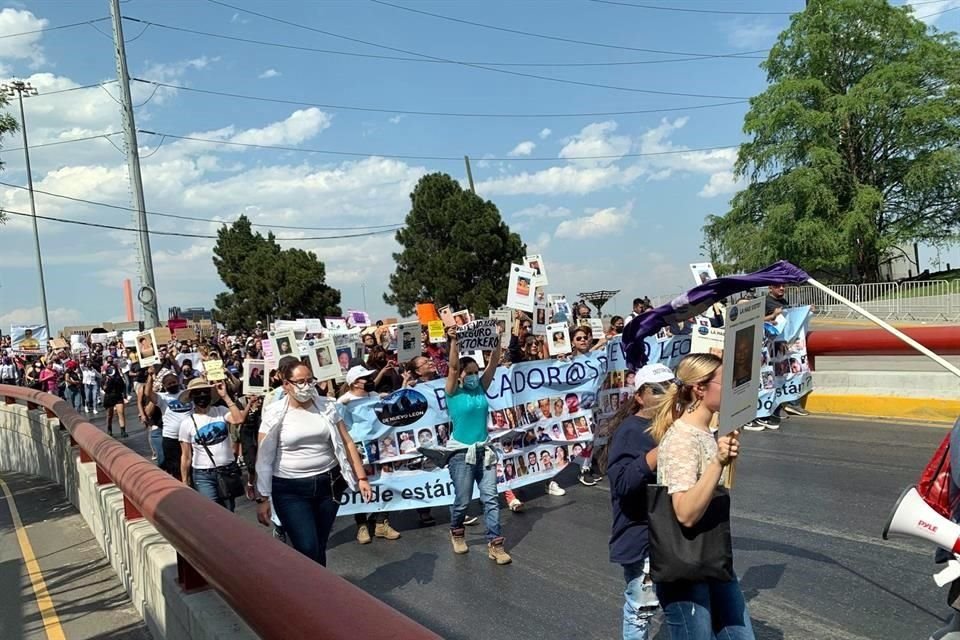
<point>692,554</point>
<point>229,477</point>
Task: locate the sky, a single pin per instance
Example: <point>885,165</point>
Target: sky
<point>374,82</point>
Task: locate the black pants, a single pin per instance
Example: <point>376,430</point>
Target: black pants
<point>307,508</point>
<point>366,518</point>
<point>171,456</point>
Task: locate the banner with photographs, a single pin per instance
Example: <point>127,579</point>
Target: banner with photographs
<point>784,371</point>
<point>541,418</point>
<point>29,339</point>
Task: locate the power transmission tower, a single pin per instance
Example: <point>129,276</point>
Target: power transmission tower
<point>19,88</point>
<point>148,292</point>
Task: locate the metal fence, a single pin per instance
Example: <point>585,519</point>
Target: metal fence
<point>925,300</point>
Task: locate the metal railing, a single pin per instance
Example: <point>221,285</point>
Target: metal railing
<point>928,300</point>
<point>276,590</point>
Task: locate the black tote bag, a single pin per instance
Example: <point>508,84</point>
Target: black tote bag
<point>690,554</point>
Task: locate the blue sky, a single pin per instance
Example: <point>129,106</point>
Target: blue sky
<point>629,222</point>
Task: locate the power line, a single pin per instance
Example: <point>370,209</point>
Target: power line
<point>179,234</point>
<point>555,38</point>
<point>105,136</point>
<point>937,13</point>
<point>282,45</point>
<point>393,156</point>
<point>336,107</point>
<point>732,12</point>
<point>476,66</point>
<point>197,219</point>
<point>62,26</point>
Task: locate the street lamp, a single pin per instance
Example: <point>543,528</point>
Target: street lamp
<point>20,89</point>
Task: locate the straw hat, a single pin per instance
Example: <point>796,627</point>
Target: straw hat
<point>196,383</point>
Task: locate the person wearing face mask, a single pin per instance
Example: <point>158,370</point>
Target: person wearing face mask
<point>305,463</point>
<point>31,377</point>
<point>205,448</point>
<point>114,386</point>
<point>360,383</point>
<point>173,411</point>
<point>474,461</point>
<point>187,373</point>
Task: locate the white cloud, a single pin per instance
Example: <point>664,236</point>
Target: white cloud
<point>59,317</point>
<point>396,119</point>
<point>301,125</point>
<point>931,14</point>
<point>602,222</point>
<point>525,148</point>
<point>720,183</point>
<point>597,139</point>
<point>269,73</point>
<point>545,133</point>
<point>543,212</point>
<point>752,34</point>
<point>24,47</point>
<point>567,179</point>
<point>170,71</point>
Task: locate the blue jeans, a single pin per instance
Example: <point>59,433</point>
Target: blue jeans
<point>640,601</point>
<point>307,509</point>
<point>75,397</point>
<point>464,476</point>
<point>90,395</point>
<point>156,441</point>
<point>205,482</point>
<point>705,610</point>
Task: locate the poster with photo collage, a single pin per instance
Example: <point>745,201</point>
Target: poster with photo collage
<point>784,370</point>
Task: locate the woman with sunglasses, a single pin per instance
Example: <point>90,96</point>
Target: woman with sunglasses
<point>630,462</point>
<point>305,463</point>
<point>581,343</point>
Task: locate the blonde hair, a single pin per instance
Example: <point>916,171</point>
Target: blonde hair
<point>696,368</point>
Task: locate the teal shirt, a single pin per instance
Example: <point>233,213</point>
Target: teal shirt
<point>468,413</point>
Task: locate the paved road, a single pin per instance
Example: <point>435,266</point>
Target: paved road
<point>87,596</point>
<point>809,506</point>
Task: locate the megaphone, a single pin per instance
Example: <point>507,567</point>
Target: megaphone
<point>912,516</point>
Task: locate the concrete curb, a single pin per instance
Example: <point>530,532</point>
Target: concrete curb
<point>922,409</point>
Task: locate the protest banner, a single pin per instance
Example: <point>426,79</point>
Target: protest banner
<point>296,326</point>
<point>408,341</point>
<point>184,335</point>
<point>535,264</point>
<point>213,370</point>
<point>540,419</point>
<point>521,293</point>
<point>479,335</point>
<point>558,339</point>
<point>785,371</point>
<point>146,345</point>
<point>29,339</point>
<point>703,272</point>
<point>740,382</point>
<point>323,358</point>
<point>336,324</point>
<point>435,330</point>
<point>427,312</point>
<point>254,378</point>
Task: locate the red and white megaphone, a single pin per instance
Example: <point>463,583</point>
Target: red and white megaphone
<point>912,516</point>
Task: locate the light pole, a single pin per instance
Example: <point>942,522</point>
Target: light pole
<point>21,88</point>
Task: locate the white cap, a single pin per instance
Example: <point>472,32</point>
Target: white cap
<point>358,372</point>
<point>653,373</point>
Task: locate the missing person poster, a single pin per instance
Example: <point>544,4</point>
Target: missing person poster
<point>147,349</point>
<point>703,272</point>
<point>285,344</point>
<point>323,358</point>
<point>479,335</point>
<point>521,293</point>
<point>707,339</point>
<point>540,318</point>
<point>254,378</point>
<point>435,330</point>
<point>408,341</point>
<point>29,339</point>
<point>535,264</point>
<point>462,318</point>
<point>558,339</point>
<point>743,333</point>
<point>446,316</point>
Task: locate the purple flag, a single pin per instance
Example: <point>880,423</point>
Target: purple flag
<point>698,300</point>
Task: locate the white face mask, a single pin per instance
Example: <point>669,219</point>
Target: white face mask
<point>303,392</point>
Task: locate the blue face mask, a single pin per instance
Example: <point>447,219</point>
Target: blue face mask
<point>471,382</point>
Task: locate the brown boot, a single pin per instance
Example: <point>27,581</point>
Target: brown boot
<point>495,551</point>
<point>363,534</point>
<point>384,530</point>
<point>459,541</point>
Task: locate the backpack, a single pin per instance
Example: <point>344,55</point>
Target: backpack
<point>935,481</point>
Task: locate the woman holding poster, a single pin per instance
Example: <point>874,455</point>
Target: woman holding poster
<point>474,462</point>
<point>690,462</point>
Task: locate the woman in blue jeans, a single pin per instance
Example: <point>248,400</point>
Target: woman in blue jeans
<point>690,461</point>
<point>305,462</point>
<point>474,462</point>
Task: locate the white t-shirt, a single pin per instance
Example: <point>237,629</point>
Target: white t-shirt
<point>173,412</point>
<point>304,447</point>
<point>350,396</point>
<point>89,375</point>
<point>211,429</point>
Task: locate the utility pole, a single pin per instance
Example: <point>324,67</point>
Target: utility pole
<point>148,292</point>
<point>20,88</point>
<point>363,290</point>
<point>466,160</point>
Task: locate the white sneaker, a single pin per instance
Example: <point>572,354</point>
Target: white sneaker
<point>554,489</point>
<point>754,426</point>
<point>471,520</point>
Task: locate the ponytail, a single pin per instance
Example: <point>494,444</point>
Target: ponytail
<point>694,369</point>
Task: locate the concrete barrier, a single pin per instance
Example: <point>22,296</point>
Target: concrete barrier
<point>34,444</point>
<point>908,395</point>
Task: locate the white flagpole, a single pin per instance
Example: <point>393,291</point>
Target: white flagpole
<point>889,328</point>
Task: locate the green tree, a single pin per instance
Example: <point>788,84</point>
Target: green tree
<point>266,281</point>
<point>456,250</point>
<point>8,124</point>
<point>854,144</point>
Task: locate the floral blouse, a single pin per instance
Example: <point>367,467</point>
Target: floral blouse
<point>682,456</point>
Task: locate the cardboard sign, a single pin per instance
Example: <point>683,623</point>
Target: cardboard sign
<point>59,343</point>
<point>446,315</point>
<point>269,352</point>
<point>558,339</point>
<point>323,358</point>
<point>596,327</point>
<point>184,335</point>
<point>479,335</point>
<point>521,292</point>
<point>146,344</point>
<point>436,332</point>
<point>162,335</point>
<point>213,370</point>
<point>427,312</point>
<point>703,272</point>
<point>408,341</point>
<point>254,378</point>
<point>535,264</point>
<point>743,332</point>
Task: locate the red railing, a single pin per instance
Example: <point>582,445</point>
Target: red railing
<point>944,341</point>
<point>277,591</point>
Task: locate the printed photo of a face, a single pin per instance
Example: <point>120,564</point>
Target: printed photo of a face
<point>323,357</point>
<point>343,357</point>
<point>408,339</point>
<point>582,426</point>
<point>283,346</point>
<point>572,402</point>
<point>559,339</point>
<point>569,430</point>
<point>424,438</point>
<point>743,356</point>
<point>535,265</point>
<point>256,377</point>
<point>523,286</point>
<point>145,344</point>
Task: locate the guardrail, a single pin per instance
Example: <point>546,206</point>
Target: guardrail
<point>276,590</point>
<point>944,341</point>
<point>929,300</point>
